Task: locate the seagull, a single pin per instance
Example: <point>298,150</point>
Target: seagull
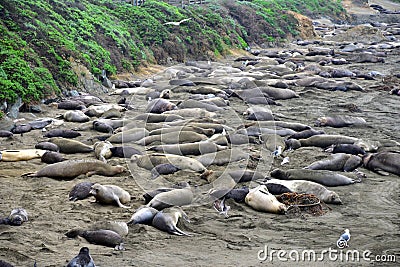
<point>176,23</point>
<point>83,259</point>
<point>285,160</point>
<point>343,239</point>
<point>277,152</point>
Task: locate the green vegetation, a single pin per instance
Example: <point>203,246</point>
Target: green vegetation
<point>42,38</point>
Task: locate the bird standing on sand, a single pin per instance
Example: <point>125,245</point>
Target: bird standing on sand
<point>83,259</point>
<point>344,239</point>
<point>176,23</point>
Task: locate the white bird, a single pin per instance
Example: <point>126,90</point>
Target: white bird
<point>344,239</point>
<point>285,160</point>
<point>277,152</point>
<point>176,23</point>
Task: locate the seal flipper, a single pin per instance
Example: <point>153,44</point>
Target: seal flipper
<point>116,198</point>
<point>29,174</point>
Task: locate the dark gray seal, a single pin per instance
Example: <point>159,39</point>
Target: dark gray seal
<point>143,215</point>
<point>337,162</point>
<point>83,259</point>
<point>305,134</point>
<point>242,176</point>
<point>71,105</point>
<point>16,218</point>
<point>106,238</point>
<point>51,157</point>
<point>124,151</point>
<point>166,220</point>
<point>163,169</point>
<point>160,105</point>
<point>80,191</point>
<point>4,133</point>
<point>383,161</point>
<point>346,148</point>
<point>70,146</point>
<point>102,127</point>
<point>21,129</point>
<point>62,133</point>
<point>47,146</point>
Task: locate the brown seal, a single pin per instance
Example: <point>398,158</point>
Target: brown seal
<point>70,169</point>
<point>70,146</point>
<point>51,157</point>
<point>106,238</point>
<point>110,194</point>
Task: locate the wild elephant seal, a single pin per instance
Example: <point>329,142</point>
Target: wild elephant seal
<point>176,129</point>
<point>383,161</point>
<point>307,187</point>
<point>70,146</point>
<point>102,127</point>
<point>148,162</point>
<point>20,155</point>
<point>62,133</point>
<point>305,134</point>
<point>167,220</point>
<point>119,227</point>
<point>191,113</point>
<point>70,169</point>
<point>124,151</point>
<point>337,162</point>
<point>242,176</point>
<point>106,238</point>
<point>191,103</point>
<point>173,138</point>
<point>131,135</point>
<point>47,146</point>
<point>323,177</point>
<point>278,93</point>
<point>143,215</point>
<point>196,148</point>
<point>83,259</point>
<point>155,117</point>
<point>5,133</point>
<point>175,197</point>
<point>16,218</point>
<point>21,129</point>
<point>340,121</point>
<point>163,169</point>
<point>51,157</point>
<point>160,105</point>
<point>261,200</point>
<point>110,194</point>
<point>75,116</point>
<point>346,148</point>
<point>102,150</point>
<point>223,157</point>
<point>71,105</point>
<point>325,140</point>
<point>80,191</point>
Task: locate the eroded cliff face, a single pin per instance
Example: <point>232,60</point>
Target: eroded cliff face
<point>304,26</point>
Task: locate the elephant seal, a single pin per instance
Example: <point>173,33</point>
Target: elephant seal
<point>70,169</point>
<point>340,121</point>
<point>196,148</point>
<point>75,116</point>
<point>337,162</point>
<point>102,150</point>
<point>110,194</point>
<point>173,138</point>
<point>307,187</point>
<point>192,113</point>
<point>325,140</point>
<point>166,94</point>
<point>259,114</point>
<point>51,157</point>
<point>176,129</point>
<point>5,133</point>
<point>19,155</point>
<point>16,218</point>
<point>323,177</point>
<point>223,157</point>
<point>83,259</point>
<point>119,227</point>
<point>124,151</point>
<point>70,146</point>
<point>175,197</point>
<point>143,215</point>
<point>131,135</point>
<point>242,176</point>
<point>383,161</point>
<point>305,134</point>
<point>155,117</point>
<point>148,162</point>
<point>62,133</point>
<point>102,237</point>
<point>80,191</point>
<point>261,200</point>
<point>346,148</point>
<point>163,169</point>
<point>167,220</point>
<point>21,129</point>
<point>102,127</point>
<point>5,264</point>
<point>47,146</point>
<point>160,105</point>
<point>278,93</point>
<point>191,103</point>
<point>71,105</point>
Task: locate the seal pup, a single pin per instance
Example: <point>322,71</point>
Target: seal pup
<point>4,133</point>
<point>75,116</point>
<point>70,146</point>
<point>62,133</point>
<point>173,138</point>
<point>70,169</point>
<point>20,155</point>
<point>174,197</point>
<point>305,134</point>
<point>16,218</point>
<point>167,220</point>
<point>102,237</point>
<point>323,177</point>
<point>163,169</point>
<point>83,259</point>
<point>80,191</point>
<point>325,140</point>
<point>102,150</point>
<point>47,146</point>
<point>346,148</point>
<point>337,162</point>
<point>51,157</point>
<point>21,129</point>
<point>195,148</point>
<point>110,194</point>
<point>160,105</point>
<point>261,200</point>
<point>124,151</point>
<point>143,215</point>
<point>383,161</point>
